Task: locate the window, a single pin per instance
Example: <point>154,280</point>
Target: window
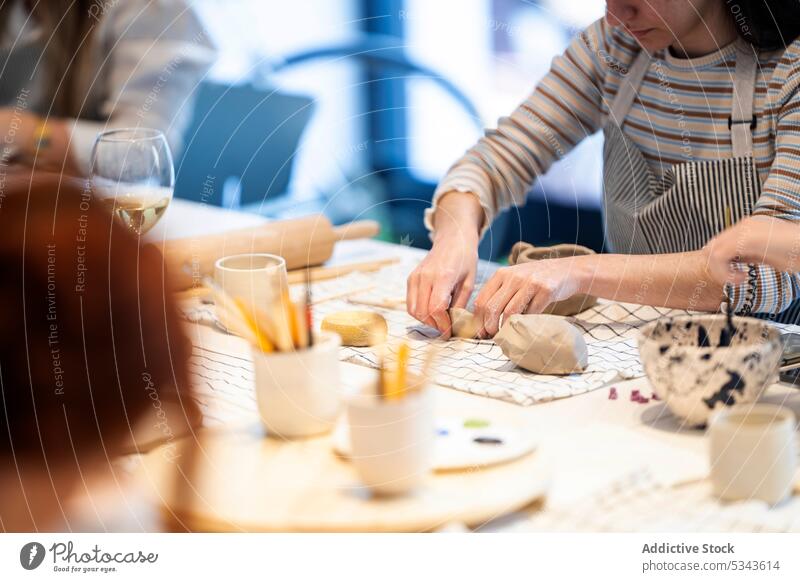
<point>495,51</point>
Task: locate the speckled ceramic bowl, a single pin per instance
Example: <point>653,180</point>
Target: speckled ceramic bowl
<point>693,375</point>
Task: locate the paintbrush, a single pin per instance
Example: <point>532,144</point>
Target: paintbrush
<point>400,380</point>
<point>430,359</point>
<point>308,309</point>
<point>726,335</point>
<point>380,352</point>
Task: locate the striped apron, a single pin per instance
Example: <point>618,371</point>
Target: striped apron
<point>693,201</point>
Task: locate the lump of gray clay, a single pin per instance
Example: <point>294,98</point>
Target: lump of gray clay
<point>463,323</point>
<point>544,344</point>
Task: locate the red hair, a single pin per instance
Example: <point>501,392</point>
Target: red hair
<point>89,336</point>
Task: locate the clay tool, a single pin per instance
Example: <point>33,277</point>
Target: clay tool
<point>333,296</point>
<point>383,303</point>
<point>323,273</point>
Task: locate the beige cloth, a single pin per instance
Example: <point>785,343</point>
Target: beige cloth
<point>523,252</point>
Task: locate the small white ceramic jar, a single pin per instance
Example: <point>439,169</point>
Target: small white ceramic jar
<point>299,393</point>
<point>258,279</point>
<point>753,453</point>
<point>392,441</point>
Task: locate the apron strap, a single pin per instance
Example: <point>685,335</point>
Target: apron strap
<point>742,121</point>
<point>628,89</point>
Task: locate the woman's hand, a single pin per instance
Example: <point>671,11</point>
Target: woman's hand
<point>527,288</point>
<point>20,128</point>
<point>447,274</point>
<point>17,127</point>
<point>755,239</point>
<point>445,277</point>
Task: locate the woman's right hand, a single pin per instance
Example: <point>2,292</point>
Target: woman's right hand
<point>444,278</point>
<point>446,275</point>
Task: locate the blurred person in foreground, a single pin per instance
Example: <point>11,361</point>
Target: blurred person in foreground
<point>90,349</point>
<point>72,68</point>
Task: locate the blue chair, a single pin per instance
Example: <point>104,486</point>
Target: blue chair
<point>244,137</point>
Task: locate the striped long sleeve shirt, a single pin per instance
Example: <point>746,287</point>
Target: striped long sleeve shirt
<point>680,115</point>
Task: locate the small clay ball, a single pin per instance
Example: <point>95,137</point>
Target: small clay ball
<point>464,324</point>
<point>357,328</point>
<point>544,344</point>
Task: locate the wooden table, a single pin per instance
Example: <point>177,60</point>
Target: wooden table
<point>590,439</point>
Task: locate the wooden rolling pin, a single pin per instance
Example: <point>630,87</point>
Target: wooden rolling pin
<point>302,242</point>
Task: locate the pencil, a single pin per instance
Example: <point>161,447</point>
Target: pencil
<point>400,380</point>
<point>308,310</point>
<point>427,366</point>
<point>261,339</point>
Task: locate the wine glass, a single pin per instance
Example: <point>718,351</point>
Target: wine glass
<point>133,175</point>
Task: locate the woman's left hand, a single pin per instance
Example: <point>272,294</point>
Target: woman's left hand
<point>527,288</point>
<point>755,239</point>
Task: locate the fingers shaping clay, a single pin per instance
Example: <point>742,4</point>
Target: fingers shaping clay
<point>524,252</point>
<point>357,328</point>
<point>544,344</point>
<point>463,323</point>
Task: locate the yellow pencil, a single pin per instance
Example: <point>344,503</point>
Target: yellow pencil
<point>400,379</point>
<point>262,341</point>
<point>300,325</point>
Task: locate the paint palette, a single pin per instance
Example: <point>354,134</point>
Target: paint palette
<point>462,443</point>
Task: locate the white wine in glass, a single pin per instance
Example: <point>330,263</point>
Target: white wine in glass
<point>133,175</point>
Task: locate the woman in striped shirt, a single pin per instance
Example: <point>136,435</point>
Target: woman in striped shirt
<point>700,106</point>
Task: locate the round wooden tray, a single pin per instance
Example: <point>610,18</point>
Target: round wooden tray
<point>243,481</point>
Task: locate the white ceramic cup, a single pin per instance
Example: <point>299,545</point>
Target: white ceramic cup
<point>299,393</point>
<point>392,441</point>
<point>753,453</point>
<point>258,279</point>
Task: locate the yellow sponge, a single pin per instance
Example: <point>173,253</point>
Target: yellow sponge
<point>357,328</point>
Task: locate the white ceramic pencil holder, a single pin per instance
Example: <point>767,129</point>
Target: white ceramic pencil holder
<point>299,393</point>
<point>753,453</point>
<point>392,441</point>
<point>258,279</point>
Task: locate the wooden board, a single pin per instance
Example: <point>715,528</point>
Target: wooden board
<point>241,481</point>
